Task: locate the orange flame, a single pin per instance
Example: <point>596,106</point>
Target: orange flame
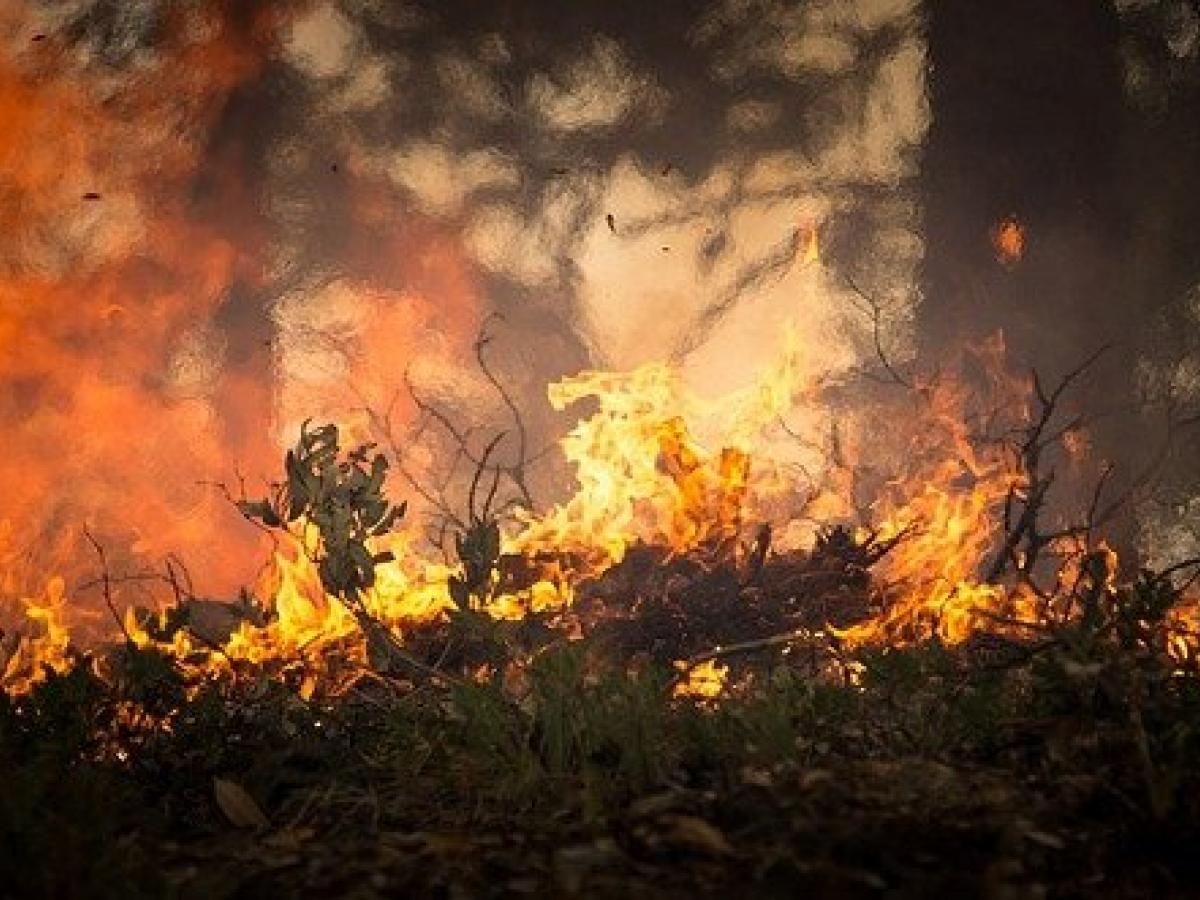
<point>1008,240</point>
<point>43,644</point>
<point>107,397</point>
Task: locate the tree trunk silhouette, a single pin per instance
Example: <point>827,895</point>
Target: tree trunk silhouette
<point>1028,119</point>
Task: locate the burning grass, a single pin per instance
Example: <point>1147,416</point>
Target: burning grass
<point>706,666</point>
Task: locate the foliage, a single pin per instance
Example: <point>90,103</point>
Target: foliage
<point>477,544</point>
<point>478,550</point>
<point>342,496</point>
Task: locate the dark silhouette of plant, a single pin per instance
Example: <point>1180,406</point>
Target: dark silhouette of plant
<point>341,495</point>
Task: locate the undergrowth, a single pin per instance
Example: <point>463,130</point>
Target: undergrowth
<point>106,778</point>
<point>518,761</point>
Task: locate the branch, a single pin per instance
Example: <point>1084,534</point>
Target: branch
<point>876,315</point>
<point>775,640</point>
<point>517,470</point>
<point>106,581</point>
<point>1027,530</point>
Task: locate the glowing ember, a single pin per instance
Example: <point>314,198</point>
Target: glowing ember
<point>703,681</point>
<point>1008,240</point>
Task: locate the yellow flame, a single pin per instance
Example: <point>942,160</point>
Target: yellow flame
<point>703,681</point>
<point>43,643</point>
<point>949,506</point>
<point>644,474</point>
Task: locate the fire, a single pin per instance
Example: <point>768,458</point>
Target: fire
<point>25,658</point>
<point>948,508</point>
<point>116,402</point>
<point>1008,240</point>
<point>111,405</point>
<point>643,476</point>
<point>108,368</point>
<point>640,474</point>
<point>306,622</point>
<point>703,681</point>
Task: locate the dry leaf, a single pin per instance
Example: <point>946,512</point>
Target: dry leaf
<point>695,834</point>
<point>1053,841</point>
<point>238,806</point>
<point>757,777</point>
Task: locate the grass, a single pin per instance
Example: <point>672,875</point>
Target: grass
<point>1068,770</point>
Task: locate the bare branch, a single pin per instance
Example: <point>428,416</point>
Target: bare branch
<point>875,309</point>
<point>106,581</point>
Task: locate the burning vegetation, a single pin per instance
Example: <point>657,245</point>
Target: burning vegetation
<point>744,619</point>
<point>876,621</point>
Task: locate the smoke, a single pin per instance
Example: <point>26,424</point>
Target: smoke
<point>308,211</point>
<point>110,281</point>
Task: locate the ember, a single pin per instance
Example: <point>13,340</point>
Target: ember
<point>1008,239</point>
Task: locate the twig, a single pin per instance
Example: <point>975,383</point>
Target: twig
<point>875,309</point>
<point>106,580</point>
<point>685,667</point>
<point>517,470</point>
<point>1025,533</point>
<point>382,424</point>
<point>480,468</point>
<point>236,502</point>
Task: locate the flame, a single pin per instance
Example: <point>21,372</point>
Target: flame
<point>645,476</point>
<point>1008,240</point>
<point>43,645</point>
<point>110,412</point>
<point>642,477</point>
<point>704,681</point>
<point>114,406</point>
<point>1183,629</point>
<point>114,401</point>
<point>948,505</point>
